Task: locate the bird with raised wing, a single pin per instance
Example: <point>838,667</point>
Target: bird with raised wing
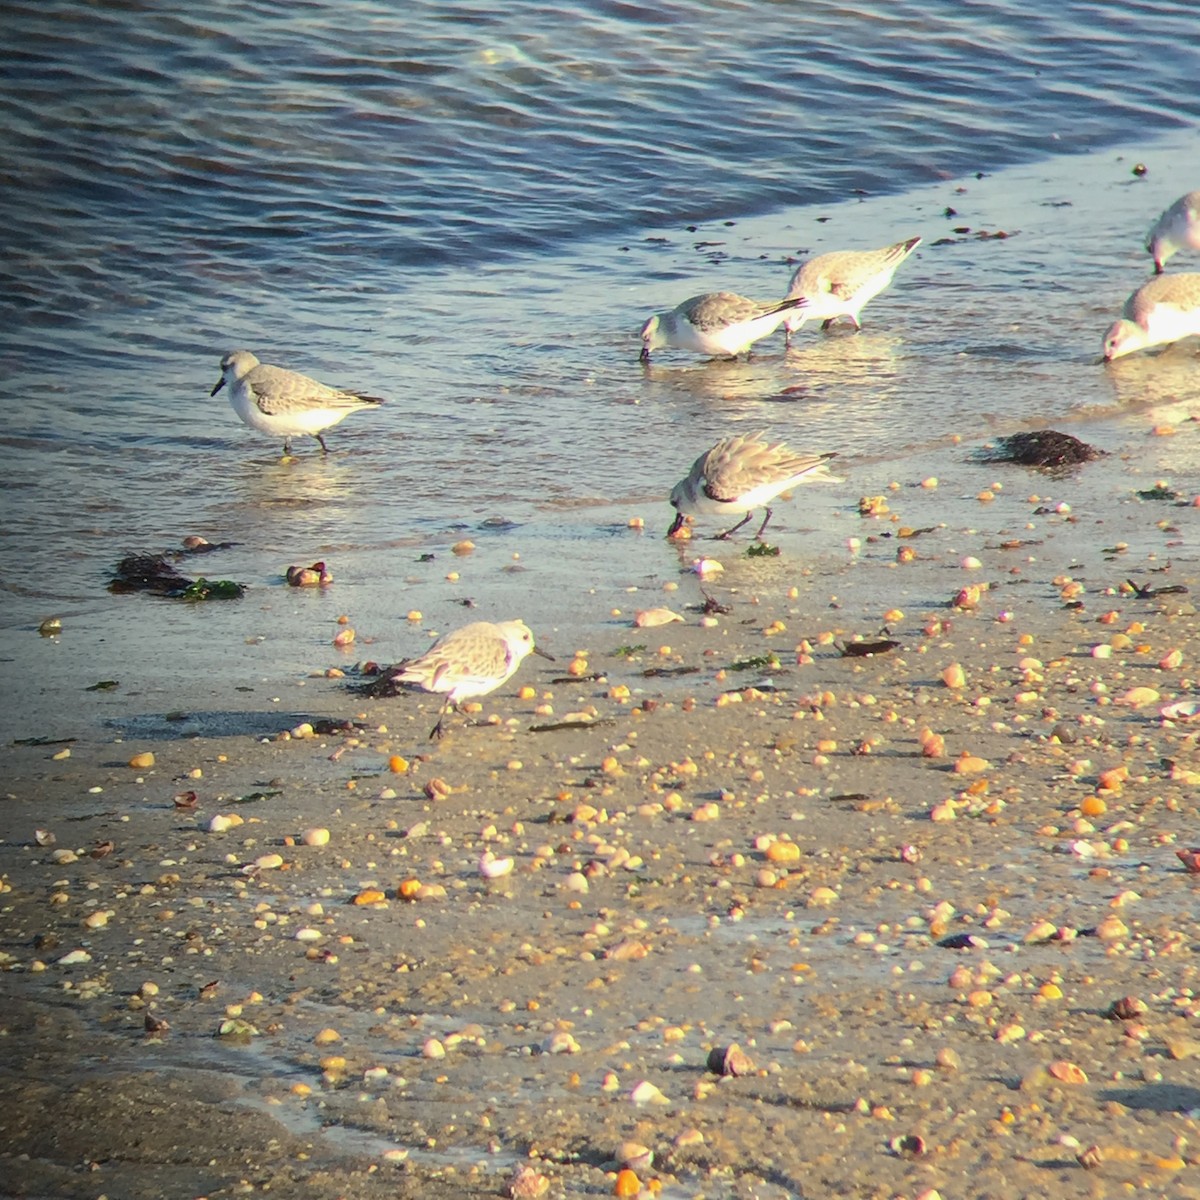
<point>840,283</point>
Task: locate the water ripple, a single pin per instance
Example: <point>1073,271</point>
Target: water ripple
<point>453,203</point>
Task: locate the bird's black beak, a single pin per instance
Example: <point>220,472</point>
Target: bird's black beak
<point>645,354</point>
<point>675,525</point>
<point>541,653</point>
<point>219,385</point>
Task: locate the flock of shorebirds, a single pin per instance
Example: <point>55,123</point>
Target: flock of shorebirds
<point>739,474</point>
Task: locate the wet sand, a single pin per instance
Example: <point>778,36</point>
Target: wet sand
<point>722,851</point>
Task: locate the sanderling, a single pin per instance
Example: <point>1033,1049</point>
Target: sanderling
<point>840,283</point>
<point>470,661</point>
<point>1177,229</point>
<point>717,323</point>
<point>741,474</point>
<point>1165,309</point>
<point>277,401</point>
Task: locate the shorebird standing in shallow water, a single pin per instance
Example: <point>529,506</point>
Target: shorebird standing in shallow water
<point>285,403</point>
<point>1165,309</point>
<point>1177,229</point>
<point>722,324</point>
<point>741,474</point>
<point>840,283</point>
<point>471,661</point>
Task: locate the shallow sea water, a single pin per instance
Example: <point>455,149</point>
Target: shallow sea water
<point>470,211</point>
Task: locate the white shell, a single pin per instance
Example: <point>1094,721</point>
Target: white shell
<point>491,867</point>
<point>648,618</point>
<point>647,1093</point>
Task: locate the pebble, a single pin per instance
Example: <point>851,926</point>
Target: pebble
<point>527,1183</point>
<point>491,867</point>
<point>634,1155</point>
<point>730,1060</point>
<point>649,618</point>
<point>647,1093</point>
<point>954,676</point>
<point>560,1043</point>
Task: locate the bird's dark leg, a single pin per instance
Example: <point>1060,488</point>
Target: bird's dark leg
<point>321,438</point>
<point>787,338</point>
<point>287,447</point>
<point>758,535</point>
<point>439,731</point>
<point>720,537</point>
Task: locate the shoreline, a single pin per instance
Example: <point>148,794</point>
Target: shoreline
<point>759,857</point>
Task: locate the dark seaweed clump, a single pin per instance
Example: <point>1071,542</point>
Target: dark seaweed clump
<point>1045,448</point>
<point>154,573</point>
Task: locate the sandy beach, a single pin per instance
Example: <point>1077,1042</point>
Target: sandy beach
<point>870,871</point>
<point>932,894</point>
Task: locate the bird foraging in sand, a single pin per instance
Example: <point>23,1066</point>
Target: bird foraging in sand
<point>1163,310</point>
<point>471,661</point>
<point>741,474</point>
<point>1177,229</point>
<point>285,403</point>
<point>716,323</point>
<point>840,283</point>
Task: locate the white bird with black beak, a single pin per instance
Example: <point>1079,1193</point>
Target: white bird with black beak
<point>840,283</point>
<point>471,661</point>
<point>741,474</point>
<point>720,324</point>
<point>1177,229</point>
<point>1162,310</point>
<point>285,403</point>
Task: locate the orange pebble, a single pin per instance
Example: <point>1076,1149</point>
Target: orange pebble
<point>783,852</point>
<point>934,746</point>
<point>627,1184</point>
<point>954,676</point>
